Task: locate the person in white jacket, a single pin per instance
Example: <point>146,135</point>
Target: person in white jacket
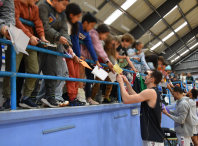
<point>192,94</point>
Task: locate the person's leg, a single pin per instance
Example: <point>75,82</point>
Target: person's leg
<point>72,87</point>
<point>41,93</point>
<point>32,67</point>
<point>6,80</point>
<point>50,68</point>
<point>20,82</point>
<point>95,88</point>
<point>81,75</point>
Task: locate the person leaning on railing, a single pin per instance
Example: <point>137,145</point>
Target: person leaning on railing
<point>7,17</point>
<point>27,10</point>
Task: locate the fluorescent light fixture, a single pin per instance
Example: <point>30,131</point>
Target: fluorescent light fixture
<point>193,46</point>
<point>170,35</point>
<point>125,28</point>
<point>113,17</point>
<point>118,13</point>
<point>175,59</point>
<point>191,39</point>
<point>170,11</point>
<point>91,7</point>
<point>184,52</point>
<point>171,57</point>
<point>127,4</point>
<point>157,45</point>
<point>180,27</point>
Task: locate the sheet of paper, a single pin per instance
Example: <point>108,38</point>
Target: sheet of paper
<point>112,76</point>
<point>163,84</point>
<point>12,40</point>
<point>117,69</point>
<point>21,40</point>
<point>100,73</point>
<point>84,64</point>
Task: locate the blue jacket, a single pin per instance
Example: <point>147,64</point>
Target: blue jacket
<point>88,43</point>
<point>76,45</point>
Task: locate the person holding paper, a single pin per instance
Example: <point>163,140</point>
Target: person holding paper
<point>151,106</point>
<point>137,54</point>
<point>182,116</point>
<point>7,17</point>
<point>87,52</point>
<point>26,9</point>
<point>111,52</point>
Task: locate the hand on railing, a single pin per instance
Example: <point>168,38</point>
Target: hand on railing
<point>98,64</point>
<point>76,59</point>
<point>4,31</point>
<point>34,40</point>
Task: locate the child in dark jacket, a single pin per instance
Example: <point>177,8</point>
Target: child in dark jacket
<point>54,21</point>
<point>26,9</point>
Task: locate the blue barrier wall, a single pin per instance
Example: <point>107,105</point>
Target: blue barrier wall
<point>103,125</point>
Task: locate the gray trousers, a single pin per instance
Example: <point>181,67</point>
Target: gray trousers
<point>61,71</point>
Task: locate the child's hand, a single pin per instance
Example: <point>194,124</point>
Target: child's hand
<point>135,70</point>
<point>33,40</point>
<point>4,31</point>
<point>44,40</point>
<point>98,64</point>
<point>70,51</point>
<point>83,58</point>
<point>76,59</point>
<point>138,52</point>
<point>63,40</point>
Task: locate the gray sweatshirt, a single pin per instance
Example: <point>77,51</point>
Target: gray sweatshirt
<point>194,112</point>
<point>182,116</point>
<point>7,13</point>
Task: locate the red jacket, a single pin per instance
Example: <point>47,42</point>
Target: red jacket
<point>30,13</point>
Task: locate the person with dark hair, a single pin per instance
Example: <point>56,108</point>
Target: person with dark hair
<point>137,54</point>
<point>182,116</point>
<point>151,106</point>
<point>189,80</point>
<point>87,51</point>
<point>192,94</point>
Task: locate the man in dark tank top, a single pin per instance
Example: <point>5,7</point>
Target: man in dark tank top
<point>151,107</point>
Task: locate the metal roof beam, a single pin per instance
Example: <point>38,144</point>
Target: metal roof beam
<point>126,13</point>
<point>100,7</point>
<point>173,23</point>
<point>178,44</point>
<point>153,18</point>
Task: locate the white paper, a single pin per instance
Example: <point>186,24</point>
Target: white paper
<point>100,73</point>
<point>112,76</point>
<point>20,39</point>
<point>164,84</point>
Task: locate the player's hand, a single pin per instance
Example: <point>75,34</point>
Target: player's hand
<point>119,79</point>
<point>4,31</point>
<point>33,40</point>
<point>76,59</point>
<point>126,81</point>
<point>98,64</point>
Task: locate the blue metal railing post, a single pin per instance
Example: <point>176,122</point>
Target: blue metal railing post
<point>169,97</point>
<point>119,94</point>
<point>13,79</point>
<point>186,86</point>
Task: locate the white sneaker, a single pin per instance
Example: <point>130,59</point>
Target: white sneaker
<point>92,102</point>
<point>81,96</point>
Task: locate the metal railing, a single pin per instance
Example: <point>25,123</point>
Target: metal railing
<point>13,74</point>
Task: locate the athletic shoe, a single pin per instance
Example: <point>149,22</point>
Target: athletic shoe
<point>6,104</point>
<point>108,100</point>
<point>76,102</point>
<point>50,101</point>
<point>92,102</point>
<point>81,96</point>
<point>27,102</point>
<point>1,108</point>
<point>62,103</point>
<point>115,99</point>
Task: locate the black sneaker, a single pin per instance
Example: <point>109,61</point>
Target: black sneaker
<point>1,108</point>
<point>76,102</point>
<point>6,104</point>
<point>108,100</point>
<point>27,102</point>
<point>33,98</point>
<point>50,101</point>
